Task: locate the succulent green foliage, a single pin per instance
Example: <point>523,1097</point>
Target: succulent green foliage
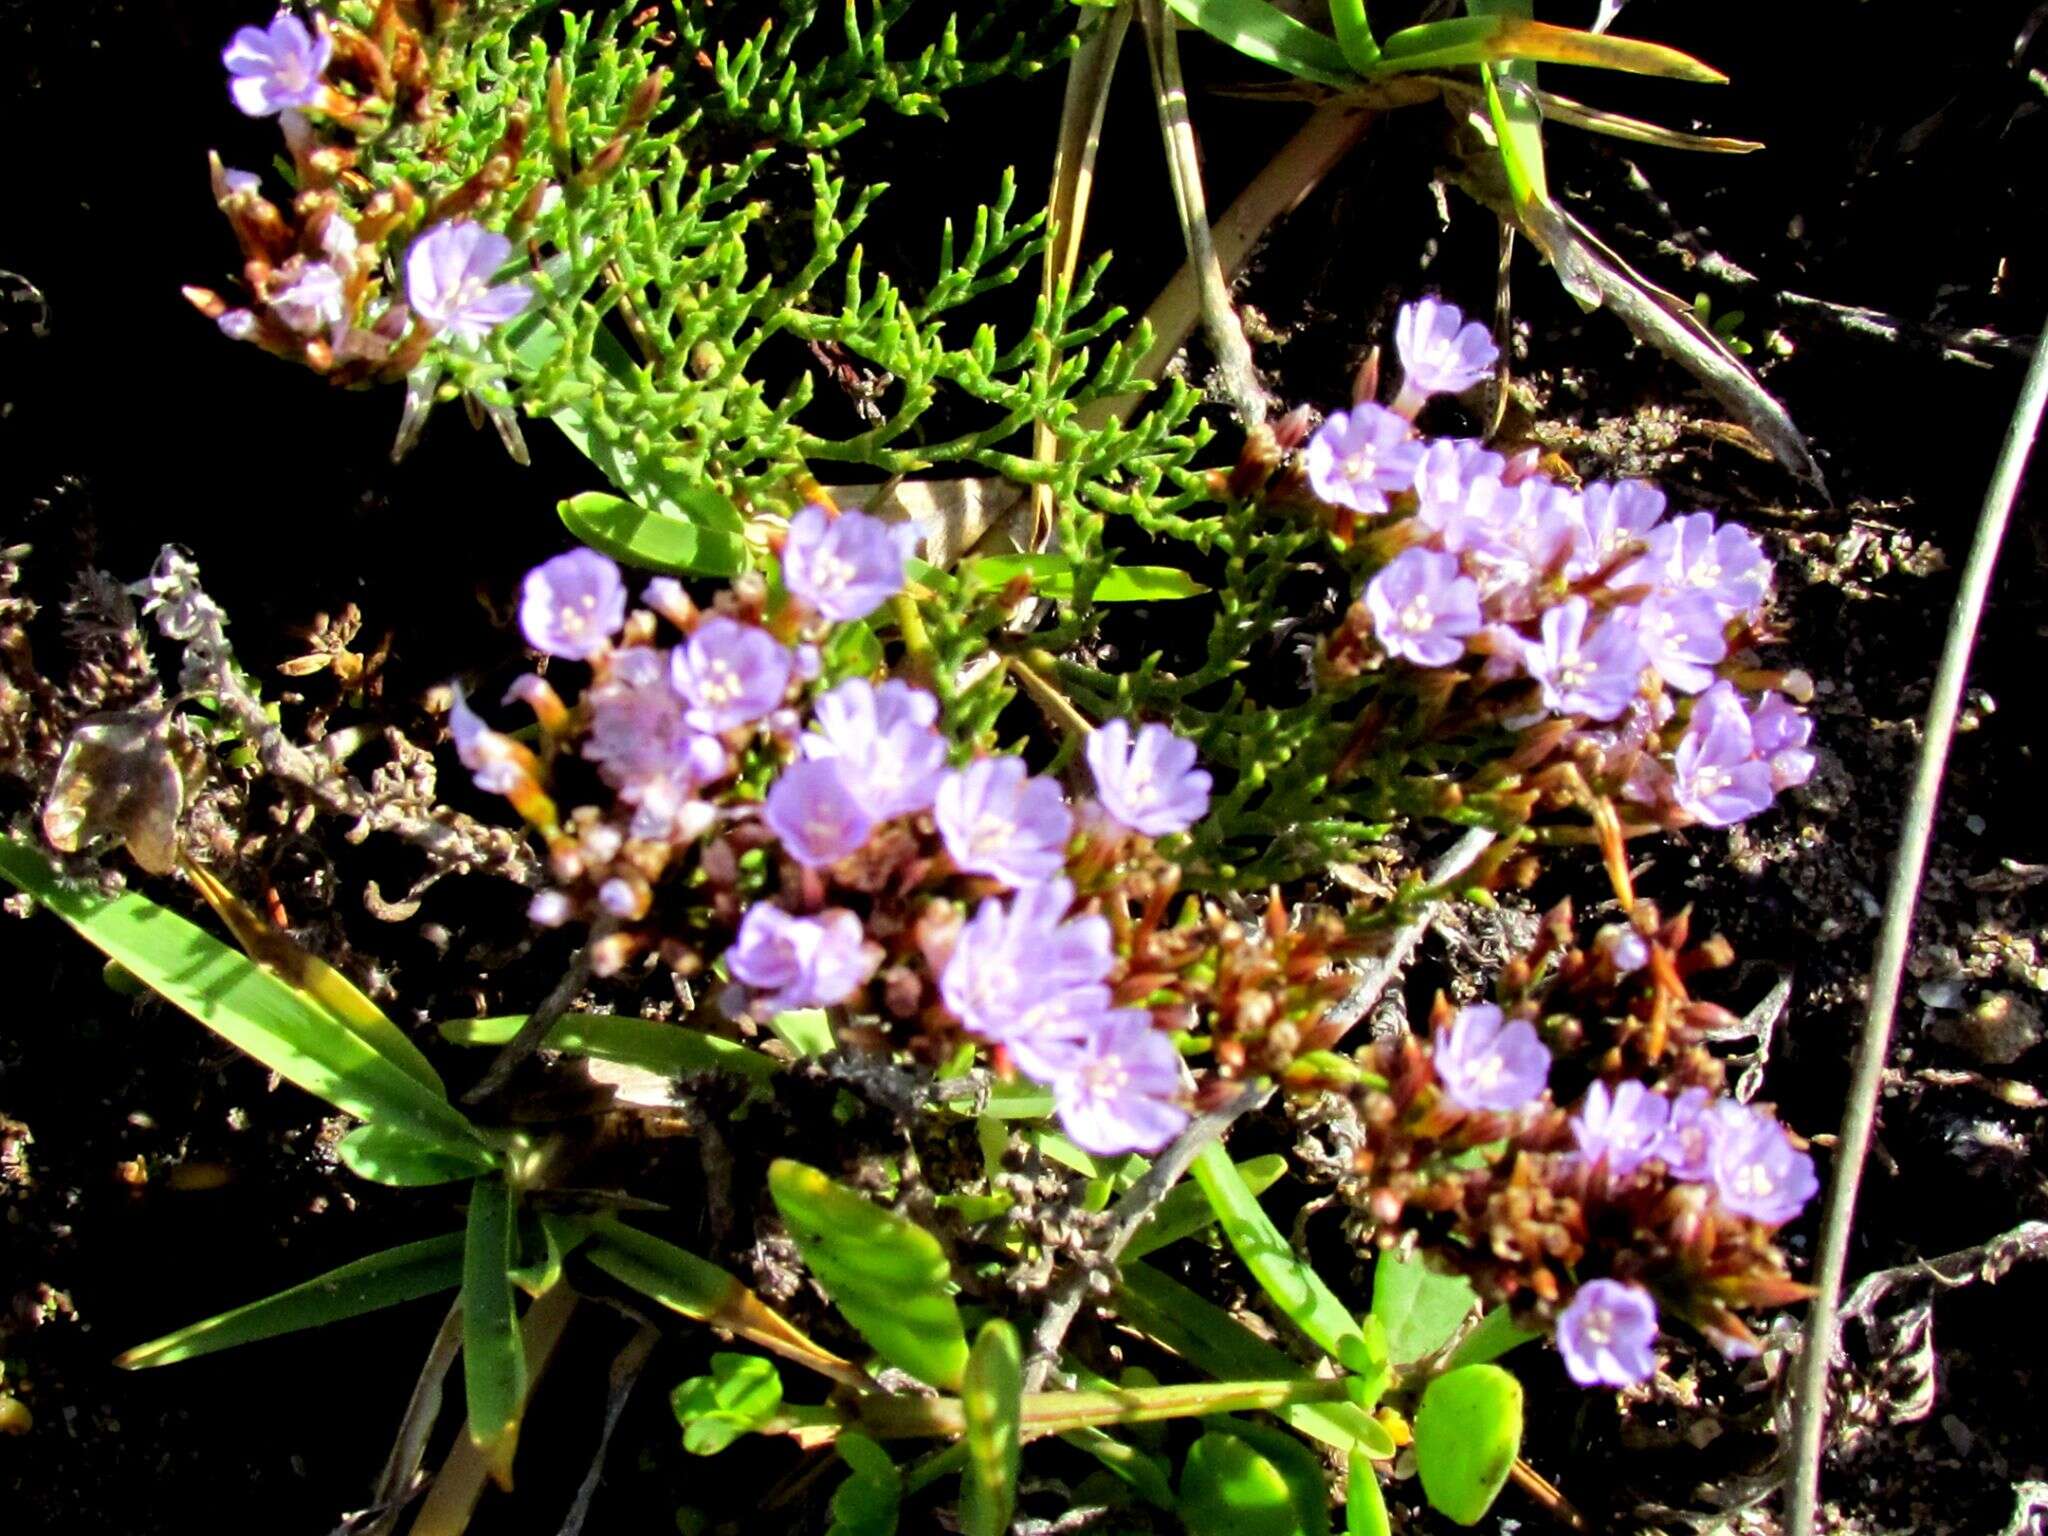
<point>493,1355</point>
<point>1467,1434</point>
<point>992,1403</point>
<point>1419,1308</point>
<point>742,1393</point>
<point>1232,1487</point>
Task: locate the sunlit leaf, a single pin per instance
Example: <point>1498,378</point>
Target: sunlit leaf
<point>991,1401</point>
<point>1497,1333</point>
<point>868,1501</point>
<point>1262,31</point>
<point>1186,1209</point>
<point>1149,1476</point>
<point>887,1274</point>
<point>702,538</point>
<point>367,1285</point>
<point>1299,1467</point>
<point>1467,1434</point>
<point>1491,39</point>
<point>1419,1308</point>
<point>807,1031</point>
<point>384,1154</point>
<point>493,1357</point>
<point>245,1005</point>
<point>1053,575</point>
<point>1365,1511</point>
<point>667,1050</point>
<point>1229,1489</point>
<point>1354,34</point>
<point>1290,1280</point>
<point>742,1393</point>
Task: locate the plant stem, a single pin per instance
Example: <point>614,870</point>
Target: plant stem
<point>1817,1351</point>
<point>1045,1413</point>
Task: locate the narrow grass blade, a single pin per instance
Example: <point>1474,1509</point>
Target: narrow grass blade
<point>493,1358</point>
<point>244,1004</point>
<point>671,1050</point>
<point>367,1285</point>
<point>385,1155</point>
<point>1497,1333</point>
<point>1292,1283</point>
<point>991,1400</point>
<point>1053,575</point>
<point>1365,1511</point>
<point>1354,34</point>
<point>1186,1209</point>
<point>700,1290</point>
<point>1491,39</point>
<point>1263,31</point>
<point>1562,109</point>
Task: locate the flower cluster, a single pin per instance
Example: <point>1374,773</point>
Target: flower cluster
<point>1649,1189</point>
<point>821,841</point>
<point>1585,606</point>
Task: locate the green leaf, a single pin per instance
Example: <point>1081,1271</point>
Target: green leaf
<point>1299,1466</point>
<point>1052,575</point>
<point>1229,1489</point>
<point>1263,31</point>
<point>1211,1340</point>
<point>1146,1474</point>
<point>868,1502</point>
<point>1467,1434</point>
<point>1186,1209</point>
<point>367,1285</point>
<point>1292,1283</point>
<point>1497,1333</point>
<point>1491,39</point>
<point>807,1031</point>
<point>544,1241</point>
<point>245,1005</point>
<point>1419,1308</point>
<point>1354,34</point>
<point>384,1154</point>
<point>1365,1512</point>
<point>742,1393</point>
<point>700,1290</point>
<point>493,1355</point>
<point>887,1274</point>
<point>670,1050</point>
<point>992,1402</point>
<point>702,537</point>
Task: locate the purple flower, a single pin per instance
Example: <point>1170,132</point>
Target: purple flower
<point>277,66</point>
<point>1619,1130</point>
<point>1012,959</point>
<point>572,605</point>
<point>1123,1097</point>
<point>1680,633</point>
<point>845,567</point>
<point>1617,517</point>
<point>801,962</point>
<point>645,748</point>
<point>1608,1335</point>
<point>819,819</point>
<point>1625,948</point>
<point>883,741</point>
<point>1152,786</point>
<point>1050,1040</point>
<point>1440,353</point>
<point>1716,778</point>
<point>448,274</point>
<point>731,674</point>
<point>998,821</point>
<point>312,303</point>
<point>1485,1064</point>
<point>1726,563</point>
<point>1423,607</point>
<point>1358,458</point>
<point>1683,1146</point>
<point>1596,674</point>
<point>1521,536</point>
<point>1780,735</point>
<point>1756,1170</point>
<point>497,762</point>
<point>1446,481</point>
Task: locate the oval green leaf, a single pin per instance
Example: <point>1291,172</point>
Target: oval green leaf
<point>1229,1489</point>
<point>742,1393</point>
<point>1467,1435</point>
<point>887,1274</point>
<point>992,1405</point>
<point>384,1154</point>
<point>703,537</point>
<point>1419,1308</point>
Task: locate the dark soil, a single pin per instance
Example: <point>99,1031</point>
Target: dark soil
<point>148,1176</point>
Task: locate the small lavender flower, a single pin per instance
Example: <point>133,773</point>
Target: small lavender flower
<point>1152,786</point>
<point>819,819</point>
<point>1054,1038</point>
<point>646,750</point>
<point>1593,674</point>
<point>1619,1130</point>
<point>1012,958</point>
<point>1520,537</point>
<point>277,66</point>
<point>730,673</point>
<point>495,761</point>
<point>1724,562</point>
<point>1780,733</point>
<point>1124,1096</point>
<point>1756,1170</point>
<point>1485,1064</point>
<point>1625,948</point>
<point>1423,607</point>
<point>572,605</point>
<point>1715,776</point>
<point>1440,353</point>
<point>996,820</point>
<point>1608,1335</point>
<point>845,567</point>
<point>448,272</point>
<point>884,743</point>
<point>800,962</point>
<point>1683,1146</point>
<point>1358,458</point>
<point>1680,633</point>
<point>314,302</point>
<point>1446,480</point>
<point>1617,517</point>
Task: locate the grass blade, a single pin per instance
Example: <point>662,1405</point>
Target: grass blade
<point>493,1358</point>
<point>367,1285</point>
<point>670,1050</point>
<point>992,1402</point>
<point>1186,1209</point>
<point>1262,31</point>
<point>244,1004</point>
<point>1493,39</point>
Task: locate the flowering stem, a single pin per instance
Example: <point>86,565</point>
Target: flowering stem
<point>1057,706</point>
<point>1817,1352</point>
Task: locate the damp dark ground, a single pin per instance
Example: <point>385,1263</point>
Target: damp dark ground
<point>151,1177</point>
